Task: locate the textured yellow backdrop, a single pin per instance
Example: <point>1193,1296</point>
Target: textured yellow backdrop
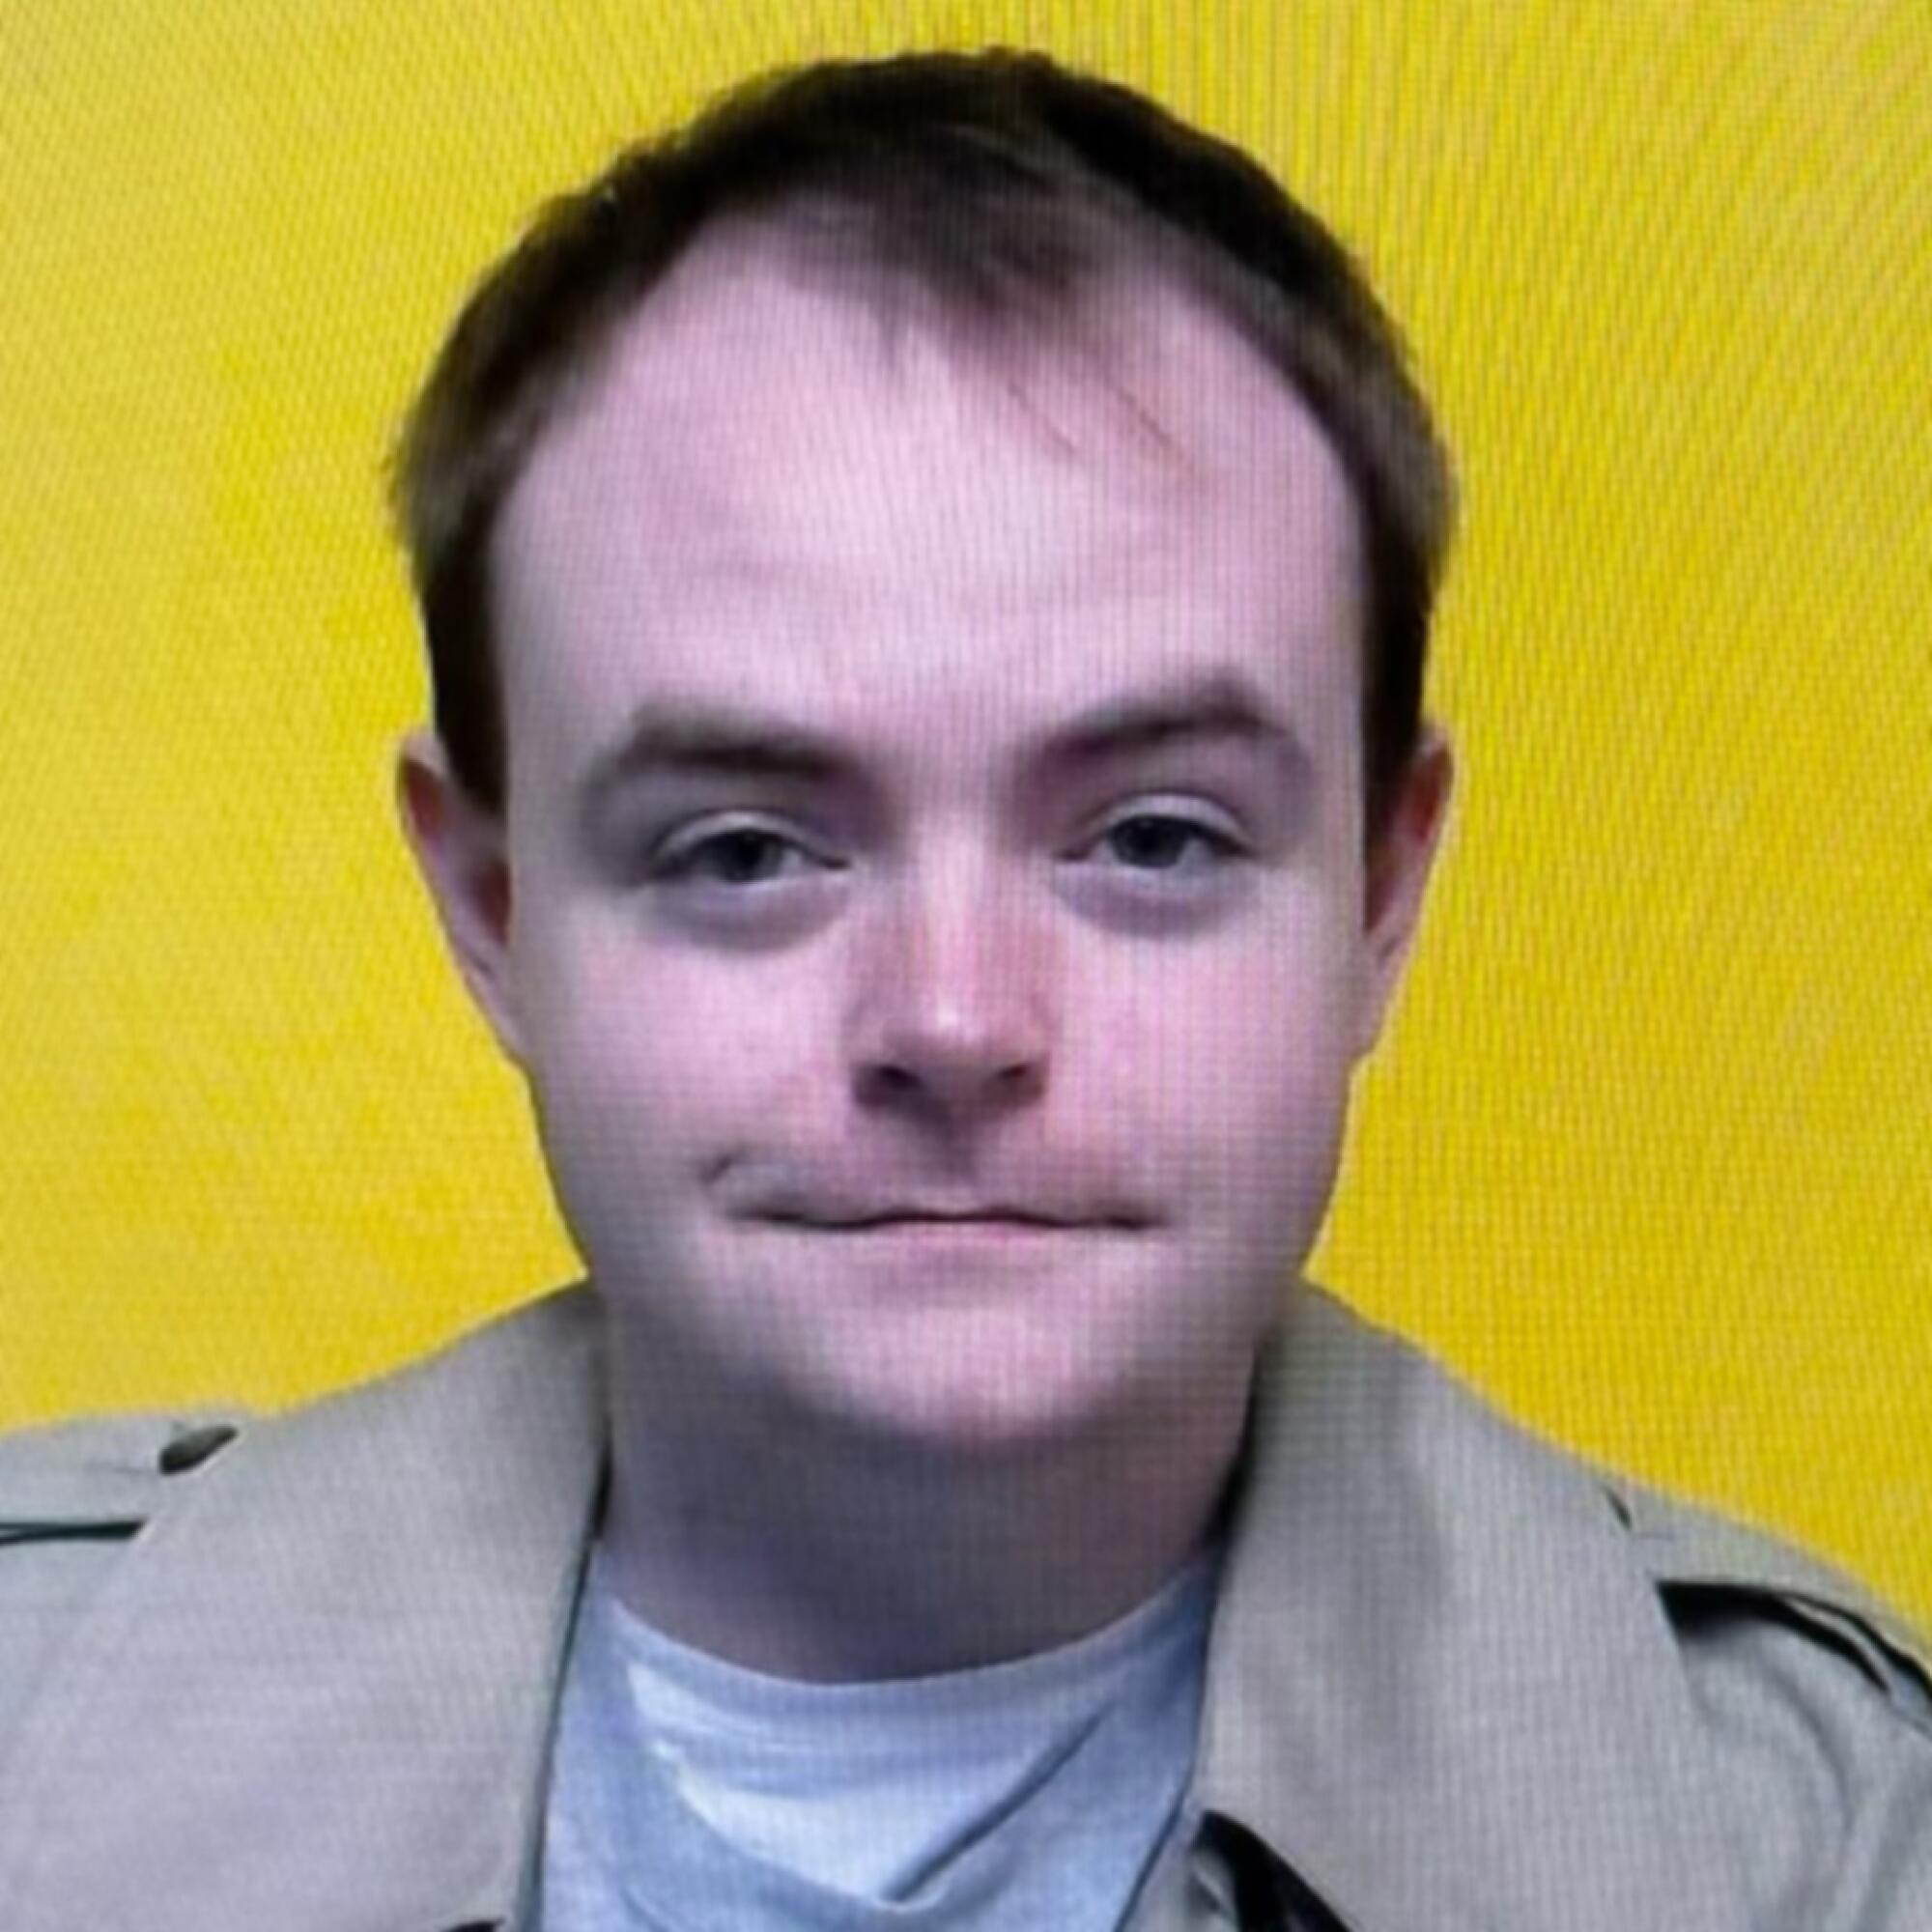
<point>1649,1152</point>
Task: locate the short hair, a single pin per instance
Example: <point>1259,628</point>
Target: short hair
<point>999,185</point>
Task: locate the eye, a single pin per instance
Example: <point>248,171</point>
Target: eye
<point>733,845</point>
<point>1221,847</point>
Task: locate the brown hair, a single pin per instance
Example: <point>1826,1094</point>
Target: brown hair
<point>996,185</point>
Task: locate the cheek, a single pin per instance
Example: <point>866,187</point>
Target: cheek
<point>666,1053</point>
<point>1260,1064</point>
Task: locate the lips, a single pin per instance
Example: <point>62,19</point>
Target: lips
<point>859,1225</point>
<point>922,1220</point>
<point>965,1224</point>
<point>838,1211</point>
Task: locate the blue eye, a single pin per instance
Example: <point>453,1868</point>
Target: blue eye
<point>743,842</point>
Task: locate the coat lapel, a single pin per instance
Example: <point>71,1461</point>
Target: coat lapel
<point>317,1694</point>
<point>1440,1688</point>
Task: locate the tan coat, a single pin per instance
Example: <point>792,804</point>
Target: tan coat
<point>1458,1681</point>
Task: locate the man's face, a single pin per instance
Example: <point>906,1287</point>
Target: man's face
<point>966,960</point>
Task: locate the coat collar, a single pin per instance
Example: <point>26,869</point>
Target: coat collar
<point>318,1693</point>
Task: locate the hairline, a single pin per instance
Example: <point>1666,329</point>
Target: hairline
<point>1160,263</point>
<point>1095,180</point>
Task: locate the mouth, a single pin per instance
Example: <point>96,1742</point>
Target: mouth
<point>965,1223</point>
<point>942,1226</point>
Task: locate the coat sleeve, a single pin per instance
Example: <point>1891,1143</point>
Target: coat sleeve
<point>1825,1772</point>
<point>1816,1704</point>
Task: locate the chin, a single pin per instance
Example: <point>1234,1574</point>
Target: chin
<point>986,1383</point>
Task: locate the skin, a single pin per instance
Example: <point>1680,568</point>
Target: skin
<point>955,973</point>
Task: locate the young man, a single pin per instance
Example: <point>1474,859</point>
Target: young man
<point>925,580</point>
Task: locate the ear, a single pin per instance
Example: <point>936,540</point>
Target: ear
<point>462,852</point>
<point>1397,876</point>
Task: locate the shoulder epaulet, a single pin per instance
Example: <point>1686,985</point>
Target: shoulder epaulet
<point>1691,1548</point>
<point>98,1475</point>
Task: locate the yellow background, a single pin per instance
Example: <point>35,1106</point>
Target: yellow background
<point>1648,1154</point>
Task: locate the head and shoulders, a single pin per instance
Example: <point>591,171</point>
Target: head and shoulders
<point>926,587</point>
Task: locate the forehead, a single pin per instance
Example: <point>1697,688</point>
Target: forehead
<point>765,478</point>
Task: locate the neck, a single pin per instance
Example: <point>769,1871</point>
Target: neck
<point>811,1553</point>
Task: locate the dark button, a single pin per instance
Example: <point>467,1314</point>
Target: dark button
<point>191,1450</point>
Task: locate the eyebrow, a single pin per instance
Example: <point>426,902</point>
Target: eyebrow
<point>735,741</point>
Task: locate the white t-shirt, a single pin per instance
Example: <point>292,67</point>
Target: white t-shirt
<point>692,1795</point>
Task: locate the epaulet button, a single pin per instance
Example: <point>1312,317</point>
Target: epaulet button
<point>190,1450</point>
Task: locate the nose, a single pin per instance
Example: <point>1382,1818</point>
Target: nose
<point>954,1018</point>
